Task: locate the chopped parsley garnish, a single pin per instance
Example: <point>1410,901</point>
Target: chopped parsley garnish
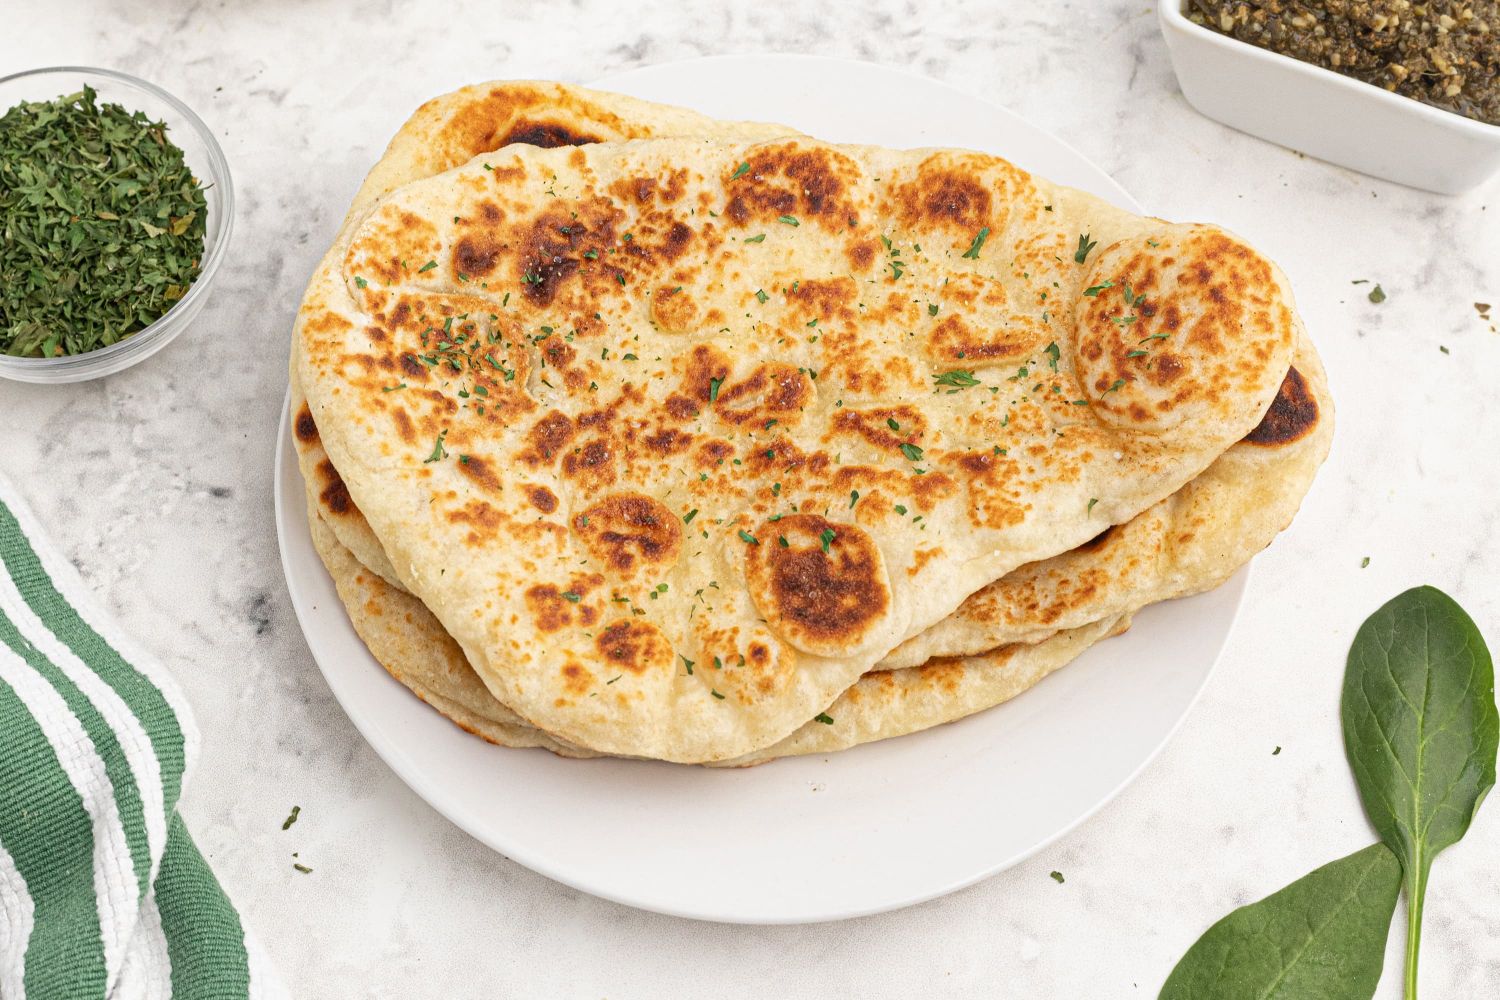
<point>1084,246</point>
<point>572,596</point>
<point>761,296</point>
<point>686,663</point>
<point>1116,384</point>
<point>900,510</point>
<point>826,538</point>
<point>973,252</point>
<point>958,378</point>
<point>912,452</point>
<point>891,423</point>
<point>824,718</point>
<point>1092,501</point>
<point>393,388</point>
<point>360,282</point>
<point>756,239</point>
<point>1053,353</point>
<point>1093,290</point>
<point>748,538</point>
<point>932,310</point>
<point>853,498</point>
<point>688,517</point>
<point>438,452</point>
<point>790,220</point>
<point>740,171</point>
<point>103,224</point>
<point>427,266</point>
<point>713,388</point>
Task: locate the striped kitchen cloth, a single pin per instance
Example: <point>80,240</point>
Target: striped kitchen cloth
<point>102,891</point>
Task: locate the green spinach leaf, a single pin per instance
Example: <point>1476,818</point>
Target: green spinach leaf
<point>1420,729</point>
<point>1320,938</point>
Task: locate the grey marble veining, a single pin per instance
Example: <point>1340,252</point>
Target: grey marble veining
<point>157,483</point>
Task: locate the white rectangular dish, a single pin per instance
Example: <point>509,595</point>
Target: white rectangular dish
<point>1326,114</point>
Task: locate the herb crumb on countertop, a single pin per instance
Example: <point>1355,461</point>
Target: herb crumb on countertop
<point>1445,53</point>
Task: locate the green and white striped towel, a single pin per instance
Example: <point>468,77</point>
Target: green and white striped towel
<point>102,891</point>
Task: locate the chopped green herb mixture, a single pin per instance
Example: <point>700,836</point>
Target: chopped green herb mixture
<point>103,225</point>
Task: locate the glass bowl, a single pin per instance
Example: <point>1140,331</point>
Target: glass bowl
<point>206,159</point>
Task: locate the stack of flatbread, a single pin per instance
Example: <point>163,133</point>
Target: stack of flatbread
<point>630,432</point>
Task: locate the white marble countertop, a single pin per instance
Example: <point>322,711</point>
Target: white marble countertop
<point>157,482</point>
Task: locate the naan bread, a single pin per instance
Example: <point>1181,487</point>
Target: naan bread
<point>1185,545</point>
<point>411,644</point>
<point>403,636</point>
<point>587,367</point>
<point>884,704</point>
<point>451,130</point>
<point>1190,542</point>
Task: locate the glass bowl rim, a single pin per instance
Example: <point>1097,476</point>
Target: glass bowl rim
<point>218,169</point>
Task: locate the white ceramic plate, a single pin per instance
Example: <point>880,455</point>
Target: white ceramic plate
<point>814,838</point>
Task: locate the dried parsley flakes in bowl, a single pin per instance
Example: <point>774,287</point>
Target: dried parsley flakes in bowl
<point>115,211</point>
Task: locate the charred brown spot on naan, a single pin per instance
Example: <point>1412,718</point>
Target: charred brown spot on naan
<point>634,646</point>
<point>305,427</point>
<point>484,520</point>
<point>885,427</point>
<point>704,368</point>
<point>412,368</point>
<point>481,472</point>
<point>631,532</point>
<point>861,254</point>
<point>790,179</point>
<point>946,191</point>
<point>956,340</point>
<point>591,466</point>
<point>773,391</point>
<point>667,441</point>
<point>556,244</point>
<point>1207,315</point>
<point>667,186</point>
<point>547,135</point>
<point>404,426</point>
<point>576,678</point>
<point>1292,415</point>
<point>542,499</point>
<point>513,114</point>
<point>476,255</point>
<point>823,299</point>
<point>823,591</point>
<point>554,608</point>
<point>674,310</point>
<point>547,438</point>
<point>334,495</point>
